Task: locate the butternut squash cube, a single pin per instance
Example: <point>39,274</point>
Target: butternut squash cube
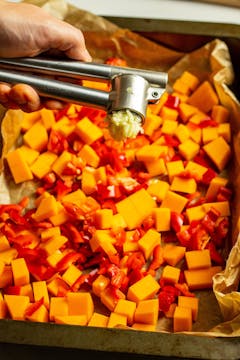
<point>151,123</point>
<point>189,149</point>
<point>3,307</point>
<point>40,290</point>
<point>40,315</point>
<point>189,302</point>
<point>116,319</point>
<point>222,206</point>
<point>149,153</point>
<point>50,232</point>
<point>20,271</point>
<point>126,308</point>
<point>195,213</point>
<point>77,197</point>
<point>89,184</point>
<point>104,218</point>
<point>156,167</point>
<point>100,284</point>
<point>182,319</point>
<point>183,185</point>
<point>58,307</point>
<point>42,165</point>
<point>60,163</point>
<point>4,243</point>
<point>17,305</point>
<point>219,152</point>
<point>198,259</point>
<point>174,202</point>
<point>18,166</point>
<point>147,312</point>
<point>174,168</point>
<point>80,303</point>
<point>47,208</point>
<point>53,244</point>
<point>29,119</point>
<point>214,186</point>
<point>158,189</point>
<point>118,222</point>
<point>71,319</point>
<point>220,113</point>
<point>36,137</point>
<point>88,131</point>
<point>186,111</point>
<point>102,239</point>
<point>109,299</point>
<point>167,113</point>
<point>190,79</point>
<point>71,274</point>
<point>149,241</point>
<point>182,133</point>
<point>169,127</point>
<point>204,97</point>
<point>162,218</point>
<point>170,274</point>
<point>143,327</point>
<point>89,155</point>
<point>201,278</point>
<point>209,134</point>
<point>47,118</point>
<point>195,169</point>
<point>29,155</point>
<point>224,130</point>
<point>143,289</point>
<point>172,254</point>
<point>6,278</point>
<point>98,320</point>
<point>8,255</point>
<point>64,126</point>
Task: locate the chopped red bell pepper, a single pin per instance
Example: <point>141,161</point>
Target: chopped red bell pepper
<point>176,221</point>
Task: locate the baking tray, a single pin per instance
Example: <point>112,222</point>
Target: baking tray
<point>183,36</point>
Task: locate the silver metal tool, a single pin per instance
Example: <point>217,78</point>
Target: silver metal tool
<point>131,88</point>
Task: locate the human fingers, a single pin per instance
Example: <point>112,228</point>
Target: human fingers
<point>25,97</point>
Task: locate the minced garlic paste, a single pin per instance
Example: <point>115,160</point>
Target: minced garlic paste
<point>123,124</point>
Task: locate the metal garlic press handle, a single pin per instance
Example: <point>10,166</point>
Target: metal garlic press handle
<point>131,88</point>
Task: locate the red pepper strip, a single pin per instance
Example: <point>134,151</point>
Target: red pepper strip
<point>214,254</point>
<point>207,123</point>
<point>23,240</point>
<point>148,223</point>
<point>74,234</point>
<point>117,279</point>
<point>200,239</point>
<point>68,260</point>
<point>208,176</point>
<point>57,142</point>
<point>157,259</point>
<point>184,238</point>
<point>171,140</point>
<point>172,102</point>
<point>8,207</point>
<point>176,221</point>
<point>13,290</point>
<point>136,260</point>
<point>208,224</point>
<point>224,194</point>
<point>73,210</point>
<point>79,282</point>
<point>183,288</point>
<point>221,232</point>
<point>109,204</point>
<point>115,61</point>
<point>165,299</point>
<point>40,272</point>
<point>24,202</point>
<point>135,275</point>
<point>33,307</point>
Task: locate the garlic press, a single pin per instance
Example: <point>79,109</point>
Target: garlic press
<point>131,88</point>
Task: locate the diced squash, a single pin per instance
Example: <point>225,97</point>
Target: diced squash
<point>172,254</point>
<point>216,183</point>
<point>143,289</point>
<point>104,218</point>
<point>189,149</point>
<point>42,165</point>
<point>40,291</point>
<point>53,244</point>
<point>71,274</point>
<point>6,278</point>
<point>198,259</point>
<point>170,313</point>
<point>169,127</point>
<point>147,311</point>
<point>40,315</point>
<point>17,305</point>
<point>189,302</point>
<point>50,232</point>
<point>158,189</point>
<point>3,307</point>
<point>89,184</point>
<point>183,185</point>
<point>58,307</point>
<point>156,167</point>
<point>174,202</point>
<point>167,113</point>
<point>151,123</point>
<point>36,137</point>
<point>98,320</point>
<point>47,118</point>
<point>77,197</point>
<point>220,113</point>
<point>29,119</point>
<point>29,155</point>
<point>224,130</point>
<point>47,208</point>
<point>116,319</point>
<point>109,299</point>
<point>8,255</point>
<point>102,239</point>
<point>186,111</point>
<point>204,97</point>
<point>195,213</point>
<point>201,278</point>
<point>88,131</point>
<point>61,161</point>
<point>195,169</point>
<point>4,243</point>
<point>71,319</point>
<point>64,126</point>
<point>143,327</point>
<point>118,222</point>
<point>126,308</point>
<point>149,153</point>
<point>89,155</point>
<point>149,241</point>
<point>162,218</point>
<point>209,134</point>
<point>18,166</point>
<point>56,284</point>
<point>218,151</point>
<point>170,274</point>
<point>100,284</point>
<point>182,133</point>
<point>222,206</point>
<point>182,319</point>
<point>54,258</point>
<point>20,271</point>
<point>174,168</point>
<point>80,303</point>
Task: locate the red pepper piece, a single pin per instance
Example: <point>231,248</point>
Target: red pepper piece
<point>33,307</point>
<point>171,140</point>
<point>216,257</point>
<point>12,290</point>
<point>224,194</point>
<point>184,238</point>
<point>115,61</point>
<point>69,259</point>
<point>208,176</point>
<point>184,290</point>
<point>172,102</point>
<point>57,142</point>
<point>176,221</point>
<point>157,259</point>
<point>165,299</point>
<point>136,260</point>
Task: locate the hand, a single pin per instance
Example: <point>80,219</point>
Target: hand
<point>27,31</point>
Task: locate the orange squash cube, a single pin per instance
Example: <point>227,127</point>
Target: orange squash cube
<point>42,165</point>
<point>58,307</point>
<point>162,217</point>
<point>19,168</point>
<point>189,302</point>
<point>198,279</point>
<point>149,241</point>
<point>170,274</point>
<point>198,259</point>
<point>98,320</point>
<point>16,305</point>
<point>88,131</point>
<point>172,254</point>
<point>143,289</point>
<point>20,271</point>
<point>40,290</point>
<point>80,303</point>
<point>126,308</point>
<point>218,151</point>
<point>182,319</point>
<point>204,97</point>
<point>174,202</point>
<point>36,137</point>
<point>116,320</point>
<point>100,284</point>
<point>147,311</point>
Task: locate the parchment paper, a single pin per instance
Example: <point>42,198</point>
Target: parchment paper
<point>219,313</point>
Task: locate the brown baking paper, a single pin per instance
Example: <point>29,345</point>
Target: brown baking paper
<point>219,312</point>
